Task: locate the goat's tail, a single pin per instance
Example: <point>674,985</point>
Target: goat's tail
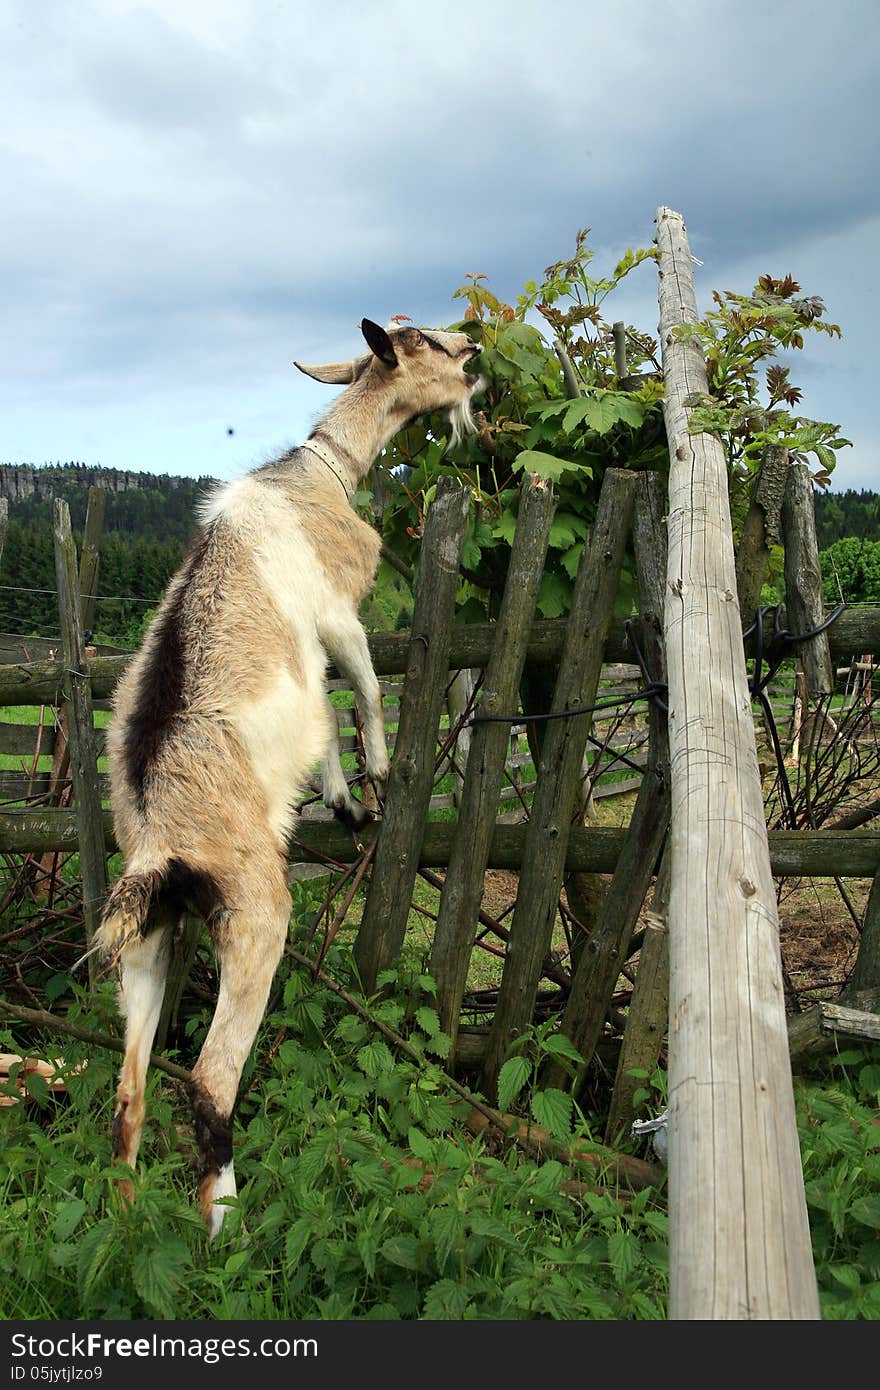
<point>126,914</point>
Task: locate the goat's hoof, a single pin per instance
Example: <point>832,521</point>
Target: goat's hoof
<point>352,815</point>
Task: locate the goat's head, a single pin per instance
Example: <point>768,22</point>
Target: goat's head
<point>417,370</point>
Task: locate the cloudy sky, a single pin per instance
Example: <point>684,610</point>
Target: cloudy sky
<point>199,191</point>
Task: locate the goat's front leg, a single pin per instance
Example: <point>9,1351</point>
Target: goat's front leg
<point>346,642</point>
<point>337,796</point>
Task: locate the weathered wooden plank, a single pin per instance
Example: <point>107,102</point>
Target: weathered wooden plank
<point>866,971</point>
<point>463,887</point>
<point>739,1236</point>
<point>35,683</point>
<point>81,732</point>
<point>559,774</point>
<point>645,1026</point>
<point>760,531</point>
<point>804,599</point>
<point>606,947</point>
<point>593,849</point>
<point>395,866</point>
<point>816,1030</point>
<point>90,555</point>
<point>20,740</point>
<point>18,786</point>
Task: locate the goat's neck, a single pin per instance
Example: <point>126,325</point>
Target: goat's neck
<point>357,427</point>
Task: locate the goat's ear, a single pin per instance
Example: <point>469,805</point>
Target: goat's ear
<point>333,374</point>
<point>379,343</point>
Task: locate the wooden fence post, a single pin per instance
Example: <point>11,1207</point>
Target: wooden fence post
<point>866,971</point>
<point>90,555</point>
<point>412,768</point>
<point>463,889</point>
<point>645,1024</point>
<point>556,791</point>
<point>58,790</point>
<point>605,949</point>
<point>649,1007</point>
<point>804,601</point>
<point>739,1236</point>
<point>81,732</point>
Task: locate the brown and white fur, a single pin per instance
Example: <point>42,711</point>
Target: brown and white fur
<point>223,714</point>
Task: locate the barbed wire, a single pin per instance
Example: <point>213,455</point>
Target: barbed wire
<point>99,598</point>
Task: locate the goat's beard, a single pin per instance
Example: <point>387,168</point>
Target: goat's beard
<point>461,417</point>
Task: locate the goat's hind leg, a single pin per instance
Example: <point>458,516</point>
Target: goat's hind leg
<point>248,942</point>
<point>144,969</point>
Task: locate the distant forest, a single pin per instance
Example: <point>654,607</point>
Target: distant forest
<point>850,513</point>
<point>147,526</point>
<point>149,520</point>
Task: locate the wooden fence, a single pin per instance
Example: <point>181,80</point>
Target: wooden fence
<point>698,819</point>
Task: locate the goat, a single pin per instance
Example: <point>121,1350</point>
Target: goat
<point>222,714</point>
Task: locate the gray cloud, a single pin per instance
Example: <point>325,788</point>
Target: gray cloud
<point>204,190</point>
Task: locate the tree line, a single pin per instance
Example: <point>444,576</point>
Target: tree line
<point>146,531</point>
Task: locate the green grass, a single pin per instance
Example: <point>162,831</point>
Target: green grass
<point>363,1194</point>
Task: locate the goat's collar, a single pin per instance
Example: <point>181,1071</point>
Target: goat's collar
<point>336,466</point>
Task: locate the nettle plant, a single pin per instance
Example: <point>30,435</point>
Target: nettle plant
<point>741,338</point>
<point>530,423</point>
<point>555,405</point>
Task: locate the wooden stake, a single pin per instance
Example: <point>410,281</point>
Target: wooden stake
<point>559,774</point>
<point>463,889</point>
<point>739,1237</point>
<point>804,601</point>
<point>605,951</point>
<point>81,731</point>
<point>412,768</point>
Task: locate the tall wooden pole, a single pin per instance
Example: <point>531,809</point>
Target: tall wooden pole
<point>739,1238</point>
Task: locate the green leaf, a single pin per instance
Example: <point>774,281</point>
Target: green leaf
<point>605,411</point>
<point>553,596</point>
<point>296,1241</point>
<point>57,985</point>
<point>352,1029</point>
<point>68,1217</point>
<point>505,527</point>
<point>847,1275</point>
<point>571,560</point>
<point>866,1210</point>
<point>624,1253</point>
<point>37,1087</point>
<point>375,1058</point>
<point>548,1178</point>
<point>558,1045</point>
<point>420,1145</point>
<point>445,1301</point>
<point>552,1108</point>
<point>546,465</point>
<point>157,1273</point>
<point>93,1254</point>
<point>562,532</point>
<point>428,1021</point>
<point>447,1228</point>
<point>404,1251</point>
<point>513,1076</point>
